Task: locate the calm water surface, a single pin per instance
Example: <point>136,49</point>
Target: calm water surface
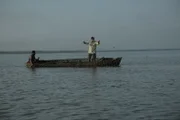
<point>145,87</point>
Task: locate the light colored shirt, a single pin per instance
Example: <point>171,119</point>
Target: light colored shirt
<point>92,46</point>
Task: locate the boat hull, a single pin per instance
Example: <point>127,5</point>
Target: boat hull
<point>79,62</point>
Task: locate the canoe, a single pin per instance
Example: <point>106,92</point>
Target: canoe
<point>78,62</point>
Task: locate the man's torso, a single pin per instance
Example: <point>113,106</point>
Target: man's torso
<point>92,48</point>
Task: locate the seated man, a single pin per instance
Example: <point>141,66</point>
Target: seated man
<point>92,48</point>
<point>32,58</point>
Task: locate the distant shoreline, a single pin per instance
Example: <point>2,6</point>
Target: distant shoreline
<point>81,51</point>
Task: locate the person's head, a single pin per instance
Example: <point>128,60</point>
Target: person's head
<point>34,52</point>
<point>92,38</point>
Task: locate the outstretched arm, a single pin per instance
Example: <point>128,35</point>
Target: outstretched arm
<point>98,42</point>
<point>86,42</point>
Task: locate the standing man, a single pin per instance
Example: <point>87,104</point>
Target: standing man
<point>92,48</point>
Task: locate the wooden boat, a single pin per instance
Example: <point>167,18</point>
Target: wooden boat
<point>78,62</point>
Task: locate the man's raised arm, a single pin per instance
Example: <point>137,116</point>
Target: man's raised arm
<point>85,42</point>
<point>98,42</point>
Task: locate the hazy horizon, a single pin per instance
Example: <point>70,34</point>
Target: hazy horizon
<point>84,51</point>
<point>63,25</point>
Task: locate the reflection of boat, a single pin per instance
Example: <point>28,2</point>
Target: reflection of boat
<point>78,62</point>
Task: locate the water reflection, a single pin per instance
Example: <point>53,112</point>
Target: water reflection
<point>94,72</point>
<point>94,96</point>
<point>32,70</point>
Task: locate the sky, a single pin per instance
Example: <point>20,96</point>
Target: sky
<point>65,24</point>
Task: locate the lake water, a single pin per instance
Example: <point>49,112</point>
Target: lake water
<point>145,87</point>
